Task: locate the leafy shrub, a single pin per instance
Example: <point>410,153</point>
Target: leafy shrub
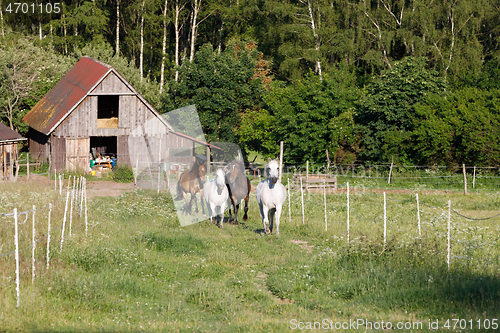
<point>123,174</point>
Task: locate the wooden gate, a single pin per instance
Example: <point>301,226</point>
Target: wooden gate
<point>77,154</point>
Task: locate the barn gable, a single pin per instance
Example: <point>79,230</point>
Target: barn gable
<point>94,109</point>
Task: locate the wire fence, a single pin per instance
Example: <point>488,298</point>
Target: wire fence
<point>75,205</point>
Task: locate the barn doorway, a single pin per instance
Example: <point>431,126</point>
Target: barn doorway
<point>103,146</point>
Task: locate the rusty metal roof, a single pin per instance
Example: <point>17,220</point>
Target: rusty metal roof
<point>6,134</point>
<point>66,94</point>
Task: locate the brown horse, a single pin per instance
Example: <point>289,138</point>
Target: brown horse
<point>192,182</point>
<point>239,187</point>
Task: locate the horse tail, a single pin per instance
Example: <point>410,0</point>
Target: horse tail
<point>179,191</point>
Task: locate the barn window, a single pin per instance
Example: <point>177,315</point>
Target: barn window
<point>107,111</point>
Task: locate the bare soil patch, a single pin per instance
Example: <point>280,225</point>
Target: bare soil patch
<point>108,188</point>
<point>303,245</point>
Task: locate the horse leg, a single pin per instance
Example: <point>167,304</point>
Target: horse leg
<point>193,198</point>
<point>236,207</point>
<point>222,207</point>
<point>230,205</point>
<point>263,211</point>
<point>245,216</point>
<point>188,205</point>
<point>201,202</point>
<point>278,214</point>
<point>271,217</point>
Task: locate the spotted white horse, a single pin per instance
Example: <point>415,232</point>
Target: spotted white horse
<point>216,195</point>
<point>271,195</point>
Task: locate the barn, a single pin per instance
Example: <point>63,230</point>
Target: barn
<point>93,111</point>
<point>9,140</point>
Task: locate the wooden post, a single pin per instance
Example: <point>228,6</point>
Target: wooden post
<point>307,176</point>
<point>208,159</point>
<point>474,179</point>
<point>327,163</point>
<point>1,162</point>
<point>465,179</point>
<point>281,161</point>
<point>16,160</point>
<point>48,237</point>
<point>390,171</point>
<point>33,248</point>
<point>16,241</point>
<point>28,164</point>
<point>11,163</point>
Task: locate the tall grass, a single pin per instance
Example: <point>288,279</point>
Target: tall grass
<point>138,270</point>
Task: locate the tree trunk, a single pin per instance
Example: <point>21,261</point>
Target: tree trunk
<point>163,48</point>
<point>2,31</point>
<point>141,56</point>
<point>117,50</point>
<point>194,26</point>
<point>177,38</point>
<point>65,33</point>
<point>317,42</point>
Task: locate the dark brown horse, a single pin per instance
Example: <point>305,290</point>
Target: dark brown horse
<point>192,182</point>
<point>239,188</point>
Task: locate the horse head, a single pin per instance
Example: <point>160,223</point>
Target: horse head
<point>236,168</point>
<point>220,179</point>
<point>272,170</point>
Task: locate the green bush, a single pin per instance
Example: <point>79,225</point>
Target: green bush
<point>123,174</point>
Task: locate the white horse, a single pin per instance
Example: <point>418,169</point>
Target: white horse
<point>216,195</point>
<point>271,195</point>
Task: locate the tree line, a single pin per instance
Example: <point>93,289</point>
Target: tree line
<point>416,80</point>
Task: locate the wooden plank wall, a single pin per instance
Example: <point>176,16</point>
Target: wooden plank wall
<point>112,84</point>
<point>58,158</point>
<point>77,154</point>
<point>39,148</point>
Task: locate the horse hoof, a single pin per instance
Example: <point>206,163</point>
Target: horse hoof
<point>267,232</point>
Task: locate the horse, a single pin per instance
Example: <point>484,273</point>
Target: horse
<point>271,195</point>
<point>192,182</point>
<point>239,187</point>
<point>216,195</point>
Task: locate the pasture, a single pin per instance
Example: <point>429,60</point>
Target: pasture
<point>138,270</point>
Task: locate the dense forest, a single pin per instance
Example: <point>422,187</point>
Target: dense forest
<point>364,80</point>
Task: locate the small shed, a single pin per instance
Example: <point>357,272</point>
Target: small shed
<point>94,110</point>
<point>9,153</point>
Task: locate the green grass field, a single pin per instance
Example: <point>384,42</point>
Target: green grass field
<point>137,270</point>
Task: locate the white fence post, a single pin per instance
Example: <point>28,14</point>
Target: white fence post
<point>289,207</point>
<point>385,220</point>
<point>64,219</point>
<point>85,196</point>
<point>33,248</point>
<point>16,241</point>
<point>324,195</point>
<point>418,217</point>
<point>302,199</point>
<point>449,233</point>
<point>48,237</point>
<point>347,212</point>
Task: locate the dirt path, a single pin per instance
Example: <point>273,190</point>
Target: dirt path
<point>95,188</point>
